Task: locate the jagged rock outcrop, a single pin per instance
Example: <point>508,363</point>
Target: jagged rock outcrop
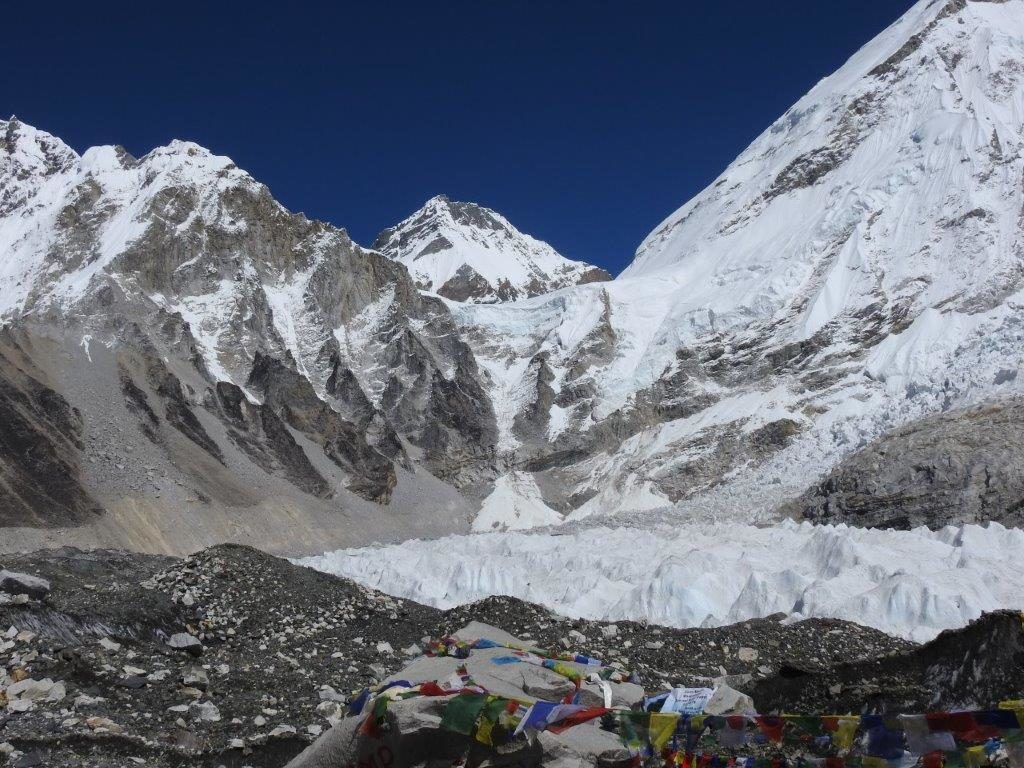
<point>961,466</point>
<point>292,397</point>
<point>261,433</point>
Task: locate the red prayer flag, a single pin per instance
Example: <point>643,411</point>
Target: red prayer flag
<point>963,725</point>
<point>576,718</point>
<point>771,726</point>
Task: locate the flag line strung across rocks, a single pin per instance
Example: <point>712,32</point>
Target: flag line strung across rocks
<point>969,738</point>
<point>672,727</point>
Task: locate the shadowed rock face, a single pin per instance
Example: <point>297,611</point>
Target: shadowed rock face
<point>258,431</point>
<point>40,444</point>
<point>291,396</point>
<point>960,467</point>
<point>978,665</point>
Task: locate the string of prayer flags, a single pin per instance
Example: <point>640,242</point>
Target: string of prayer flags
<point>536,716</point>
<point>771,726</point>
<point>578,717</point>
<point>970,739</point>
<point>843,730</point>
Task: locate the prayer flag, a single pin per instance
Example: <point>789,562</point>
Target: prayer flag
<point>661,728</point>
<point>461,712</point>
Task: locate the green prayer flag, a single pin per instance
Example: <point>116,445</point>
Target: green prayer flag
<point>491,711</point>
<point>631,726</point>
<point>461,712</point>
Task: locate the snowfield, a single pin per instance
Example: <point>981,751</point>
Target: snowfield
<point>908,583</point>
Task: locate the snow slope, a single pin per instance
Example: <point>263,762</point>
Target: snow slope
<point>860,265</point>
<point>912,583</point>
<point>514,504</point>
<point>469,253</point>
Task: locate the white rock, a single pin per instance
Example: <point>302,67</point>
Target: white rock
<point>747,654</point>
<point>109,644</point>
<point>728,701</point>
<point>31,689</point>
<point>206,711</point>
<point>183,641</point>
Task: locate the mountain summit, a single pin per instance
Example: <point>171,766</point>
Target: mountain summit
<point>466,252</point>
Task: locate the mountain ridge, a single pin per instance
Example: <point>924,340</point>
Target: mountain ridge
<point>858,268</point>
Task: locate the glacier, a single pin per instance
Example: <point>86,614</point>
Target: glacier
<point>913,584</point>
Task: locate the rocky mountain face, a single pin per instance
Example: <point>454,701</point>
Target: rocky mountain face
<point>465,252</point>
<point>959,466</point>
<point>202,364</point>
<point>172,299</point>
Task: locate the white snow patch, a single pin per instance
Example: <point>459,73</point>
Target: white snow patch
<point>84,344</point>
<point>515,504</point>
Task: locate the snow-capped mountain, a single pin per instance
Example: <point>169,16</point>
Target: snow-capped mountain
<point>858,266</point>
<point>465,252</point>
<point>171,298</point>
<point>857,270</point>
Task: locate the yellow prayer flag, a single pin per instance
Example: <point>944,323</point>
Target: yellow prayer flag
<point>662,726</point>
<point>483,731</point>
<point>846,729</point>
<point>975,757</point>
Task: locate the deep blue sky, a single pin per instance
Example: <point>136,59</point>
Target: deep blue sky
<point>585,122</point>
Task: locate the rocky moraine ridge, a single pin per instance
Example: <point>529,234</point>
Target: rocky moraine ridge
<point>233,657</point>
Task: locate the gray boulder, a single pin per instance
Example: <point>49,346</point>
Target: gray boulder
<point>14,583</point>
<point>183,641</point>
